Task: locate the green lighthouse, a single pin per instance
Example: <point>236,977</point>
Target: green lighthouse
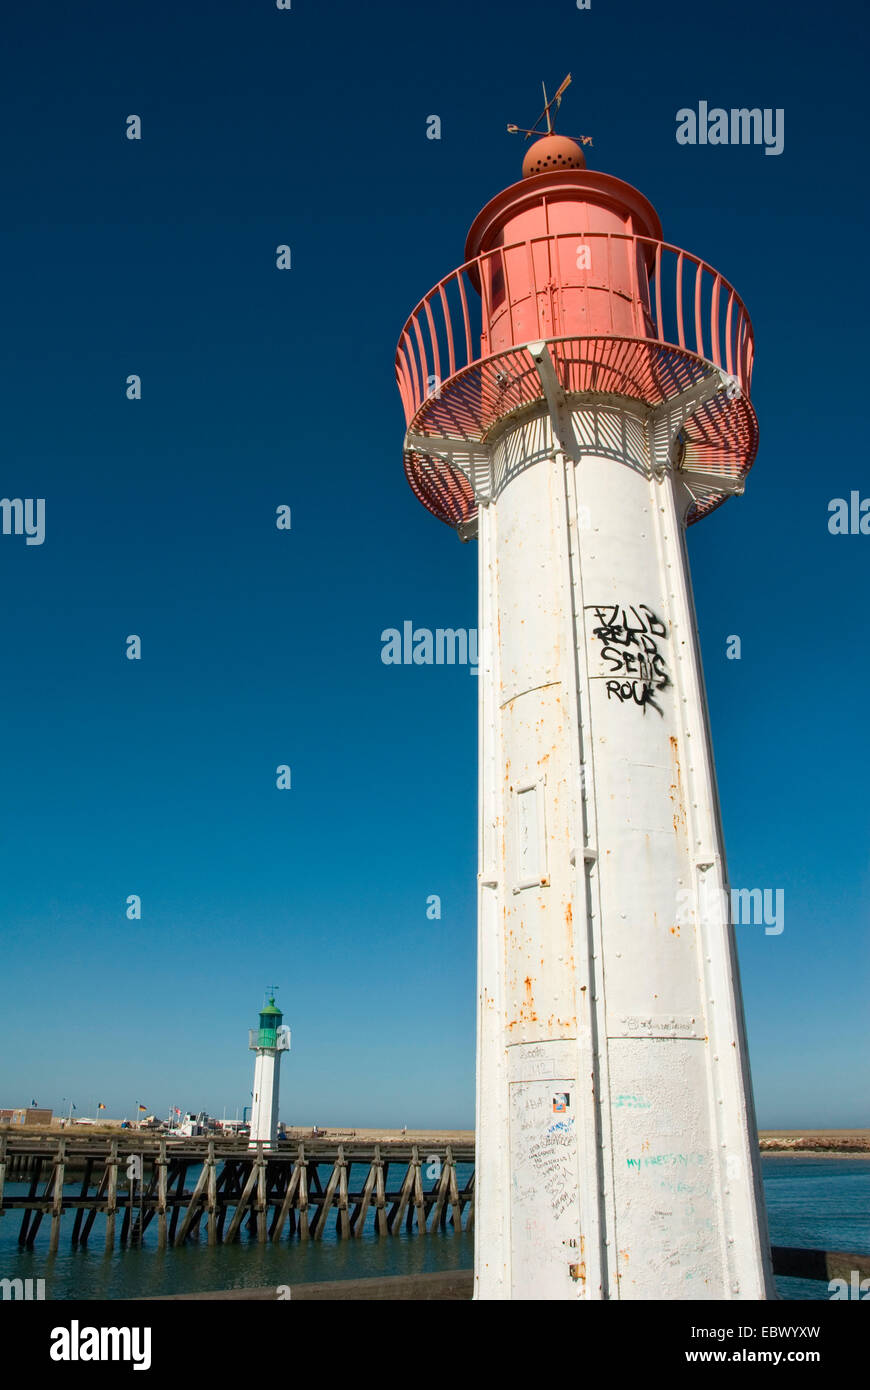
<point>268,1040</point>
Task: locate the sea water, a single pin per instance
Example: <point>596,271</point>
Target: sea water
<point>818,1203</point>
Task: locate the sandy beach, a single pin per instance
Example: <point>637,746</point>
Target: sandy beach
<point>816,1143</point>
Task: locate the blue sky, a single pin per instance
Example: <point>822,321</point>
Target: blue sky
<point>260,388</point>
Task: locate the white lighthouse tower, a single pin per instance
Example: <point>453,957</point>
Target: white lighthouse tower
<point>269,1040</point>
<point>576,395</point>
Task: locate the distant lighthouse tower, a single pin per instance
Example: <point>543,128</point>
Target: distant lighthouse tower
<point>576,395</point>
<point>269,1040</point>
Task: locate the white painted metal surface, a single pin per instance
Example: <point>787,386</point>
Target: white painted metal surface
<point>615,1150</point>
<point>267,1078</point>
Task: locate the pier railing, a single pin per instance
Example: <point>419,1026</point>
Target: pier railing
<point>222,1185</point>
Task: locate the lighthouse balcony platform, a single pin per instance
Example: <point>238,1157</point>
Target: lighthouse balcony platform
<point>623,316</point>
<point>276,1039</point>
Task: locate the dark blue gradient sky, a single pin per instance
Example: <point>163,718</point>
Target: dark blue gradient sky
<point>261,387</point>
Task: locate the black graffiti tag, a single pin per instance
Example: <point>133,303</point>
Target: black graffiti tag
<point>629,646</point>
<point>641,692</point>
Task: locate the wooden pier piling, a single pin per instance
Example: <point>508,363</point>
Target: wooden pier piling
<point>307,1189</point>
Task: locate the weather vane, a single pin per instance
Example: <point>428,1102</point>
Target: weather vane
<point>545,115</point>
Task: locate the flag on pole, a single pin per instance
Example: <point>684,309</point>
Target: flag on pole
<point>100,1105</point>
<point>143,1107</point>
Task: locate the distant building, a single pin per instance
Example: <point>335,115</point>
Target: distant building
<point>29,1116</point>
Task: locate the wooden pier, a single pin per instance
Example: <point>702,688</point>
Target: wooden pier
<point>295,1190</point>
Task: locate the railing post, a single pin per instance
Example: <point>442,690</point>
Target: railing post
<point>57,1199</point>
<point>211,1194</point>
<point>161,1195</point>
<point>111,1196</point>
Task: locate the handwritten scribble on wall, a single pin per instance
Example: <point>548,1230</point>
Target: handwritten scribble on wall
<point>635,666</point>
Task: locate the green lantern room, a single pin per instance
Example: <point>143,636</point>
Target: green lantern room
<point>270,1021</point>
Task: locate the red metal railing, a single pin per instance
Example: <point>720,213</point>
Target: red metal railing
<point>640,289</point>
